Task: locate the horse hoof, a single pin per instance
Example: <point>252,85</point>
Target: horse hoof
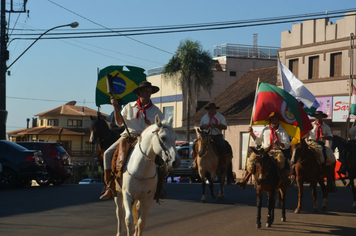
<point>268,225</point>
<point>220,197</point>
<point>258,225</point>
<point>283,219</point>
<point>203,201</point>
<point>297,211</point>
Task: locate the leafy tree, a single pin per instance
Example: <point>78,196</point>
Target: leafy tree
<point>190,67</point>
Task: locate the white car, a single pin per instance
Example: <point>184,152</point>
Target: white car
<point>89,181</point>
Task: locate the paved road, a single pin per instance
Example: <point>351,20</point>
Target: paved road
<point>75,210</point>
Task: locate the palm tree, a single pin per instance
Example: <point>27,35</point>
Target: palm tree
<point>190,67</point>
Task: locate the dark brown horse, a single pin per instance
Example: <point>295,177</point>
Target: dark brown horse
<point>308,170</point>
<point>101,133</point>
<point>267,179</point>
<point>347,156</point>
<point>209,164</point>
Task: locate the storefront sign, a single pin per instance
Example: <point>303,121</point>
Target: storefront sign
<point>341,109</point>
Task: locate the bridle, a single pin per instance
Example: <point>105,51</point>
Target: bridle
<point>164,148</point>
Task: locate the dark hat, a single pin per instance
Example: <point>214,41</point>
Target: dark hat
<point>211,105</point>
<point>145,84</point>
<point>274,114</point>
<point>319,113</point>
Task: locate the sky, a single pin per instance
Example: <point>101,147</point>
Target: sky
<point>54,72</point>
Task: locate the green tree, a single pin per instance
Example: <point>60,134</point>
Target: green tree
<point>190,68</point>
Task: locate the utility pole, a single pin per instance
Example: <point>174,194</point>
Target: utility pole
<point>4,56</point>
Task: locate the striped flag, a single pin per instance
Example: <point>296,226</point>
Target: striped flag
<point>271,98</point>
<point>125,80</point>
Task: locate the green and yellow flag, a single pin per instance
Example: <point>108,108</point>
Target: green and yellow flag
<point>124,82</point>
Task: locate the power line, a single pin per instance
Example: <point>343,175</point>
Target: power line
<point>43,100</point>
<point>109,28</point>
<point>179,29</point>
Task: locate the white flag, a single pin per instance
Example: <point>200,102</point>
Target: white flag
<point>296,88</point>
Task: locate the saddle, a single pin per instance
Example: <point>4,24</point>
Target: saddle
<point>317,149</point>
<point>126,145</point>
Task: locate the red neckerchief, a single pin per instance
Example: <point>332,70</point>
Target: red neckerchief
<point>272,134</point>
<point>143,109</point>
<point>319,131</point>
<point>212,118</point>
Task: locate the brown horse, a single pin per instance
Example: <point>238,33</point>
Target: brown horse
<point>208,162</point>
<point>308,170</point>
<point>347,156</point>
<point>267,179</point>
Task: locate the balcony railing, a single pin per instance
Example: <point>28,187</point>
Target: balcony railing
<point>248,51</point>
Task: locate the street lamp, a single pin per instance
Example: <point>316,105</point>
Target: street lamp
<point>73,25</point>
<point>4,68</point>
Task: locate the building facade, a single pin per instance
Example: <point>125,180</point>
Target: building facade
<point>321,54</point>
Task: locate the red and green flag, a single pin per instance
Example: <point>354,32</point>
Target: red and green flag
<point>125,80</point>
<point>271,98</point>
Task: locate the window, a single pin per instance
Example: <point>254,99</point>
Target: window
<point>76,123</point>
<point>167,112</point>
<point>293,67</point>
<point>313,67</point>
<point>335,64</point>
<point>52,122</point>
<point>232,73</point>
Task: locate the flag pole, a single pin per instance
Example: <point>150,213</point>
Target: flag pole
<point>251,120</point>
<point>351,86</point>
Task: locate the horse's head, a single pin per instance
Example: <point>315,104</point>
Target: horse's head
<point>97,127</point>
<point>163,142</point>
<point>262,162</point>
<point>202,142</point>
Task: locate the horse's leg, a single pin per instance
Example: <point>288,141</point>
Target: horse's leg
<point>259,205</point>
<point>119,213</point>
<point>282,194</point>
<point>143,211</point>
<point>315,193</point>
<point>270,216</point>
<point>203,184</point>
<point>222,183</point>
<point>300,194</point>
<point>211,185</point>
<point>128,203</point>
<point>353,189</point>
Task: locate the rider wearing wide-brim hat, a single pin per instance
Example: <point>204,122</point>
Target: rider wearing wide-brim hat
<point>275,136</point>
<point>320,131</point>
<point>215,122</point>
<point>137,115</point>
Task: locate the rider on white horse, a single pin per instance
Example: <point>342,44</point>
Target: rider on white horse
<point>137,115</point>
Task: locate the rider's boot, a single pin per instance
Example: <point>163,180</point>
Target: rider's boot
<point>194,165</point>
<point>245,177</point>
<point>110,191</point>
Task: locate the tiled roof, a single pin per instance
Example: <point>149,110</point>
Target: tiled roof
<point>50,131</point>
<point>236,101</point>
<point>69,110</point>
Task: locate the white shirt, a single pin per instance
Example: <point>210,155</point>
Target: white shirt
<point>263,138</point>
<point>136,126</point>
<point>221,121</point>
<point>325,130</point>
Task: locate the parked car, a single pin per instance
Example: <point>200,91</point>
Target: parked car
<point>184,150</point>
<point>89,181</point>
<point>57,160</point>
<point>19,165</point>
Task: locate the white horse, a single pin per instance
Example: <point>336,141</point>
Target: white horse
<point>139,181</point>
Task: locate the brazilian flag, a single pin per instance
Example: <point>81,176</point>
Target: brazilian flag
<point>124,82</point>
